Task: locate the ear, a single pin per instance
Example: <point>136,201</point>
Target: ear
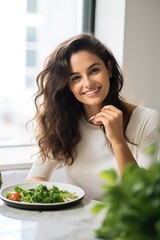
<point>109,69</point>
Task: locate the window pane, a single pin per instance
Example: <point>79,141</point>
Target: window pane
<point>31,34</point>
<point>31,58</point>
<point>23,54</point>
<point>32,6</point>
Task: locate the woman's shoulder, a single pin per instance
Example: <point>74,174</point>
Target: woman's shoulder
<point>142,111</point>
<point>144,126</point>
<point>146,113</point>
<point>144,117</point>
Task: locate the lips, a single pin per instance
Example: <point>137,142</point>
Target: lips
<point>92,92</point>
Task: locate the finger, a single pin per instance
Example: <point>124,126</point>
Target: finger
<point>112,112</point>
<point>101,118</point>
<point>104,115</point>
<point>110,109</point>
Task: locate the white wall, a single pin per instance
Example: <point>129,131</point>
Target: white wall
<point>131,28</point>
<point>141,62</point>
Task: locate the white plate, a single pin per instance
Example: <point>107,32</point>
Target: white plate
<point>43,206</point>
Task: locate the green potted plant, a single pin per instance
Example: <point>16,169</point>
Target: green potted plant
<point>132,205</point>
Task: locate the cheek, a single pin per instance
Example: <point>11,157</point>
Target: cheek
<point>75,89</point>
<point>107,86</point>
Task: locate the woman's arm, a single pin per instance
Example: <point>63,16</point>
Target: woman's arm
<point>122,154</point>
<point>35,179</point>
<point>112,120</point>
<point>41,171</point>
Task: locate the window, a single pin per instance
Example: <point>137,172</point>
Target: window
<point>31,6</point>
<point>31,34</point>
<point>26,40</point>
<point>31,58</point>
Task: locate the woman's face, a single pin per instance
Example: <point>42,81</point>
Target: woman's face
<point>89,78</point>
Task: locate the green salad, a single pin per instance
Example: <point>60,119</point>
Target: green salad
<point>41,194</point>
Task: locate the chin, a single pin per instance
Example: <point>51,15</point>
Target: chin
<point>93,103</point>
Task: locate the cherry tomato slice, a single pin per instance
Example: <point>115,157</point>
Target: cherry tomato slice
<point>14,196</point>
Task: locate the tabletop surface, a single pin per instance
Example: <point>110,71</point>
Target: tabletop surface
<point>74,223</point>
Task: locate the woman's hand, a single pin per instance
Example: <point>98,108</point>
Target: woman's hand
<point>112,120</point>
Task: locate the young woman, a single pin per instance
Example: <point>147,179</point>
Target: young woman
<point>82,121</point>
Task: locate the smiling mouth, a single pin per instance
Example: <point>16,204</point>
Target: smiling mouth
<point>93,92</point>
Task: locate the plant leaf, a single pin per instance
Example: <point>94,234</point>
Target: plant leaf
<point>97,208</point>
<point>132,205</point>
<point>151,150</point>
<point>109,176</point>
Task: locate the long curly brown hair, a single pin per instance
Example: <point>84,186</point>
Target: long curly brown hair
<point>57,110</point>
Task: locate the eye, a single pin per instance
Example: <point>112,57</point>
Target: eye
<point>75,78</point>
<point>94,70</point>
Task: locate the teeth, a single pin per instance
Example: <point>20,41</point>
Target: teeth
<point>91,92</point>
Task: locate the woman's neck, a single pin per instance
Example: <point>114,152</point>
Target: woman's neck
<point>90,111</point>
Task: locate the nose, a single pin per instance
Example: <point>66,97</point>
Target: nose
<point>88,81</point>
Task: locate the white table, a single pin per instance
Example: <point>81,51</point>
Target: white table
<point>75,223</point>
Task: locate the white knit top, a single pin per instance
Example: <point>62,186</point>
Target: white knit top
<point>94,154</point>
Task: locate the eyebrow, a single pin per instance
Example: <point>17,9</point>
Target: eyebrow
<point>74,73</point>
